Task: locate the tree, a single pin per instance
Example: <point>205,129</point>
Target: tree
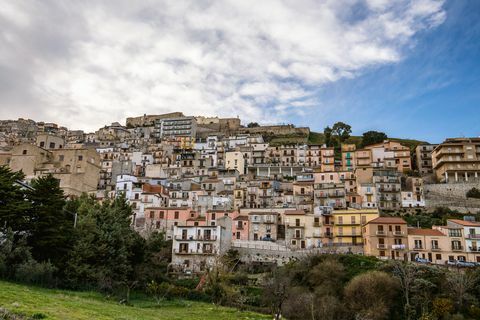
<point>327,133</point>
<point>276,286</point>
<point>460,286</point>
<point>337,134</point>
<point>107,251</point>
<point>13,207</point>
<point>327,277</point>
<point>342,131</point>
<point>50,226</point>
<point>473,193</point>
<point>372,137</point>
<point>253,125</point>
<point>370,295</point>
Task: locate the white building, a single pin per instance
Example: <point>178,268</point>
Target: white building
<point>197,248</point>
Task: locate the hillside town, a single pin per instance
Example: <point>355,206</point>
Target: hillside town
<point>211,184</point>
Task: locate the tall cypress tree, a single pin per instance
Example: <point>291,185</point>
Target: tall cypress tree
<point>13,205</point>
<point>50,225</point>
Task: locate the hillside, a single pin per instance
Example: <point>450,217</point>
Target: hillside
<point>318,138</point>
<point>38,303</point>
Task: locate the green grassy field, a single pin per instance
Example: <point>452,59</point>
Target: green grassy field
<point>59,304</point>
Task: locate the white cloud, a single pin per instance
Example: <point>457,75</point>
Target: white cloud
<point>89,63</point>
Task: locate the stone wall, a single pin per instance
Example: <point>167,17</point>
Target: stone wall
<point>451,195</point>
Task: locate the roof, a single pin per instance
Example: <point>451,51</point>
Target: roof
<point>387,220</point>
<point>244,218</point>
<point>293,212</point>
<point>424,232</point>
<point>465,223</point>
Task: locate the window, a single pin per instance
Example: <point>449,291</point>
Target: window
<point>434,244</point>
<point>52,145</point>
<point>24,152</point>
<point>80,158</point>
<point>42,144</point>
<point>352,219</point>
<point>418,244</point>
<point>137,196</point>
<point>438,256</point>
<point>61,157</point>
<point>161,215</point>
<point>176,214</point>
<point>152,214</point>
<point>340,220</point>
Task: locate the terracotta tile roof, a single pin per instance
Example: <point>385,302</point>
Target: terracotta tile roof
<point>386,220</point>
<point>262,213</point>
<point>424,232</point>
<point>244,218</point>
<point>465,223</point>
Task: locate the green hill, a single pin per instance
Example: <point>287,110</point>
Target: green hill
<point>318,138</point>
<point>39,303</point>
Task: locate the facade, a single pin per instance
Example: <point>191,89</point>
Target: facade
<point>347,225</point>
<point>176,127</point>
<point>386,238</point>
<point>457,160</point>
<point>471,233</point>
<point>196,248</point>
<point>263,226</point>
<point>423,157</point>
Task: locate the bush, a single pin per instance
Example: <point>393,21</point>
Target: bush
<point>36,273</point>
<point>473,193</point>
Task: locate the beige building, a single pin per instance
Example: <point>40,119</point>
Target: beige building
<point>77,169</point>
<point>431,245</point>
<point>235,160</point>
<point>347,224</point>
<point>386,238</point>
<point>457,160</point>
<point>49,141</point>
<point>423,157</point>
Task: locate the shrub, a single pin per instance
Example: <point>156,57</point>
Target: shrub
<point>36,273</point>
<point>473,193</point>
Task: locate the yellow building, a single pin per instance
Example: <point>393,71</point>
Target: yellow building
<point>347,224</point>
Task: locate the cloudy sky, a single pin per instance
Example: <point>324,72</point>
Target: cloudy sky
<point>376,64</point>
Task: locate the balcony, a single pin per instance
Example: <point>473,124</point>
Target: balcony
<point>398,233</point>
<point>457,248</point>
<point>472,236</point>
<point>381,246</point>
<point>195,238</point>
<point>316,224</point>
<point>296,225</point>
<point>328,234</point>
<point>398,247</point>
<point>194,251</point>
<point>436,248</point>
<point>380,233</point>
<point>269,221</point>
<point>418,248</point>
<point>474,249</point>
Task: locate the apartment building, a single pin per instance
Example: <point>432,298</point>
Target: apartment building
<point>330,195</point>
<point>455,244</point>
<point>196,248</point>
<point>263,225</point>
<point>297,224</point>
<point>423,158</point>
<point>429,245</point>
<point>348,157</point>
<point>471,232</point>
<point>412,193</point>
<point>175,127</point>
<point>388,188</point>
<point>347,225</point>
<point>391,154</point>
<point>77,169</point>
<point>235,160</point>
<point>457,160</point>
<point>386,238</point>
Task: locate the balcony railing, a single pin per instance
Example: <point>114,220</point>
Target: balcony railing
<point>474,249</point>
<point>457,248</point>
<point>381,246</point>
<point>398,233</point>
<point>436,248</point>
<point>418,248</point>
<point>194,251</point>
<point>398,247</point>
<point>472,236</point>
<point>195,238</point>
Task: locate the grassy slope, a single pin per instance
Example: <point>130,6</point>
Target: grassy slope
<point>60,304</point>
<point>317,138</point>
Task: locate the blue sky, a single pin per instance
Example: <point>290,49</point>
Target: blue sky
<point>431,94</point>
<point>409,68</point>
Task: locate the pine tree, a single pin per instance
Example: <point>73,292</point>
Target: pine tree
<point>50,226</point>
<point>13,206</point>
